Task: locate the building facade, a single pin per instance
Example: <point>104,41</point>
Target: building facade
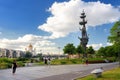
<point>11,53</point>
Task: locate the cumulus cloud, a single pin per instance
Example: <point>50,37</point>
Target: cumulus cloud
<point>95,46</point>
<point>38,42</point>
<point>109,44</point>
<point>64,17</point>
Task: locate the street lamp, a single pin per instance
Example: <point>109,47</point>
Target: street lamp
<point>59,52</point>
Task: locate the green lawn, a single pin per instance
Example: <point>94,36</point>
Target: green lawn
<point>107,75</point>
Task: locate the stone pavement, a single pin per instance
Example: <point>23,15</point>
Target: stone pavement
<point>52,72</point>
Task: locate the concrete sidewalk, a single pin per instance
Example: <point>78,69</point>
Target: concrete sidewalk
<point>61,72</point>
<point>78,74</point>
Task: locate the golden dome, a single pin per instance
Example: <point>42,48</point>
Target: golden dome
<point>30,46</point>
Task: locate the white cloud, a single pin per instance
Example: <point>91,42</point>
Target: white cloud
<point>0,33</point>
<point>38,42</point>
<point>64,17</point>
<point>95,46</point>
<point>109,44</point>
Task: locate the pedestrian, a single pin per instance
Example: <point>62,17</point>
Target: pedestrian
<point>45,61</point>
<point>14,66</point>
<point>48,61</point>
<point>86,61</point>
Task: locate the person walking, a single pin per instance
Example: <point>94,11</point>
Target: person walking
<point>86,61</point>
<point>14,66</point>
<point>46,61</point>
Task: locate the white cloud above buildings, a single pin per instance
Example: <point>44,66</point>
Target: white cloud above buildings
<point>64,19</point>
<point>38,42</point>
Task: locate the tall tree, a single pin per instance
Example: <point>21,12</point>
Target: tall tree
<point>109,51</point>
<point>113,38</point>
<point>101,51</point>
<point>79,50</point>
<point>69,49</point>
<point>28,54</point>
<point>116,50</point>
<point>90,50</point>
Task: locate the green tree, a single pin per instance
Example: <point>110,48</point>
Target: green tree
<point>69,49</point>
<point>90,50</point>
<point>79,50</point>
<point>113,38</point>
<point>39,56</point>
<point>109,51</point>
<point>116,49</point>
<point>101,52</point>
<point>28,54</point>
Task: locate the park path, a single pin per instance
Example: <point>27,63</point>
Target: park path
<point>52,72</point>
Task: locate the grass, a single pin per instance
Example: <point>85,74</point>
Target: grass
<point>113,74</point>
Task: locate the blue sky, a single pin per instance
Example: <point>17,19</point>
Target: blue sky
<point>49,24</point>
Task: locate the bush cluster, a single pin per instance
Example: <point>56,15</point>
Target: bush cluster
<point>7,63</point>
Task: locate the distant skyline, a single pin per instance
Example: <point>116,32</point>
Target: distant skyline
<point>50,24</point>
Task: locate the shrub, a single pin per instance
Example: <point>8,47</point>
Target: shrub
<point>4,65</point>
<point>7,60</point>
<point>63,62</point>
<point>20,64</point>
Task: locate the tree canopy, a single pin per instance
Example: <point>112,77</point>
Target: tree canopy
<point>113,38</point>
<point>28,54</point>
<point>90,50</point>
<point>69,49</point>
<point>79,49</point>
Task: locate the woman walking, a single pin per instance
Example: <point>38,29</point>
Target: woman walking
<point>14,66</point>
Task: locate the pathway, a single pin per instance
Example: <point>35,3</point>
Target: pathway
<point>59,72</point>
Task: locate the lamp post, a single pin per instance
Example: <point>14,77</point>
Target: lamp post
<point>58,52</point>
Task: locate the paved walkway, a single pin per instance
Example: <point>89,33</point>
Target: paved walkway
<point>61,72</point>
